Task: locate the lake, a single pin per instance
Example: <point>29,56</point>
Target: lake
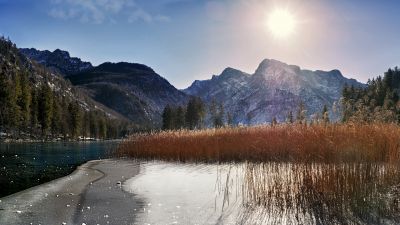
<point>272,192</point>
<point>267,193</point>
<point>24,165</point>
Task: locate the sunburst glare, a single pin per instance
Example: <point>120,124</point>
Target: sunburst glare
<point>281,23</point>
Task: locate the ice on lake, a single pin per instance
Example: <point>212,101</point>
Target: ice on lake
<point>186,193</point>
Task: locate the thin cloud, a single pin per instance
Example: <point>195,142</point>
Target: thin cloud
<point>100,11</point>
<point>140,14</point>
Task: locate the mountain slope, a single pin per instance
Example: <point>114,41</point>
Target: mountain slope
<point>37,102</point>
<point>273,90</point>
<point>133,90</point>
<point>59,61</point>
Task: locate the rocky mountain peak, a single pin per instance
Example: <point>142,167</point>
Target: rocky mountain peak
<point>268,63</point>
<point>275,89</point>
<point>332,73</point>
<point>61,53</point>
<point>231,73</point>
<point>59,61</point>
<point>271,68</point>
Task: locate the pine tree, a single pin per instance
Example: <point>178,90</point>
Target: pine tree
<point>18,100</point>
<point>180,118</point>
<point>12,107</point>
<point>201,112</point>
<point>85,125</point>
<point>34,111</point>
<point>5,96</point>
<point>229,119</point>
<point>102,128</point>
<point>93,126</point>
<point>274,121</point>
<point>289,118</point>
<point>191,115</point>
<point>64,120</point>
<point>75,118</point>
<point>56,119</point>
<point>217,113</point>
<point>346,92</point>
<point>213,112</point>
<point>325,114</point>
<point>221,114</point>
<point>195,113</point>
<point>168,120</point>
<point>301,114</point>
<point>45,108</point>
<point>24,102</point>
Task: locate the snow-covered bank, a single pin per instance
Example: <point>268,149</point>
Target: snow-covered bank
<point>90,194</point>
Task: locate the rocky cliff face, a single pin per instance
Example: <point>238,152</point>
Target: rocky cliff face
<point>59,61</point>
<point>274,90</point>
<point>133,90</point>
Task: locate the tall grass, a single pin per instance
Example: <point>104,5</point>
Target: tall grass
<point>296,174</point>
<point>320,193</point>
<point>293,143</point>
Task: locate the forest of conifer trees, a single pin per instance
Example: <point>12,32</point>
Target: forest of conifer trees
<point>33,108</point>
<point>194,115</point>
<point>378,102</point>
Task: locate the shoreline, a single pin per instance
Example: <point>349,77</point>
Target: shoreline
<point>91,194</point>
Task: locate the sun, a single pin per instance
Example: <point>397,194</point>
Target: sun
<point>281,23</point>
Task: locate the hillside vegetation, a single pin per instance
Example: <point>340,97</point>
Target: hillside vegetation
<point>38,104</point>
<point>378,102</point>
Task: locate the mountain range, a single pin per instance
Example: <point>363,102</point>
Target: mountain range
<point>133,90</point>
<point>272,91</point>
<point>39,74</point>
<point>139,94</point>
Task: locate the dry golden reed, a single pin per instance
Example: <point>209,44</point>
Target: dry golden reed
<point>285,142</point>
<point>321,193</point>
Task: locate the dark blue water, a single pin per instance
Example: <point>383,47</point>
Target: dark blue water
<point>24,165</point>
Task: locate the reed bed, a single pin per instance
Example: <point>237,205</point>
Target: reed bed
<point>294,143</point>
<point>320,193</point>
<point>295,174</point>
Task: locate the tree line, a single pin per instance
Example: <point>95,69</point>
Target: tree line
<point>33,109</point>
<point>194,114</point>
<point>377,102</point>
<point>321,117</point>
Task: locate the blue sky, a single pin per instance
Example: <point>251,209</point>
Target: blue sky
<point>184,40</point>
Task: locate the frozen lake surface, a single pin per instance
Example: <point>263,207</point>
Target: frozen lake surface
<point>267,193</point>
<point>187,193</point>
<point>126,191</point>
